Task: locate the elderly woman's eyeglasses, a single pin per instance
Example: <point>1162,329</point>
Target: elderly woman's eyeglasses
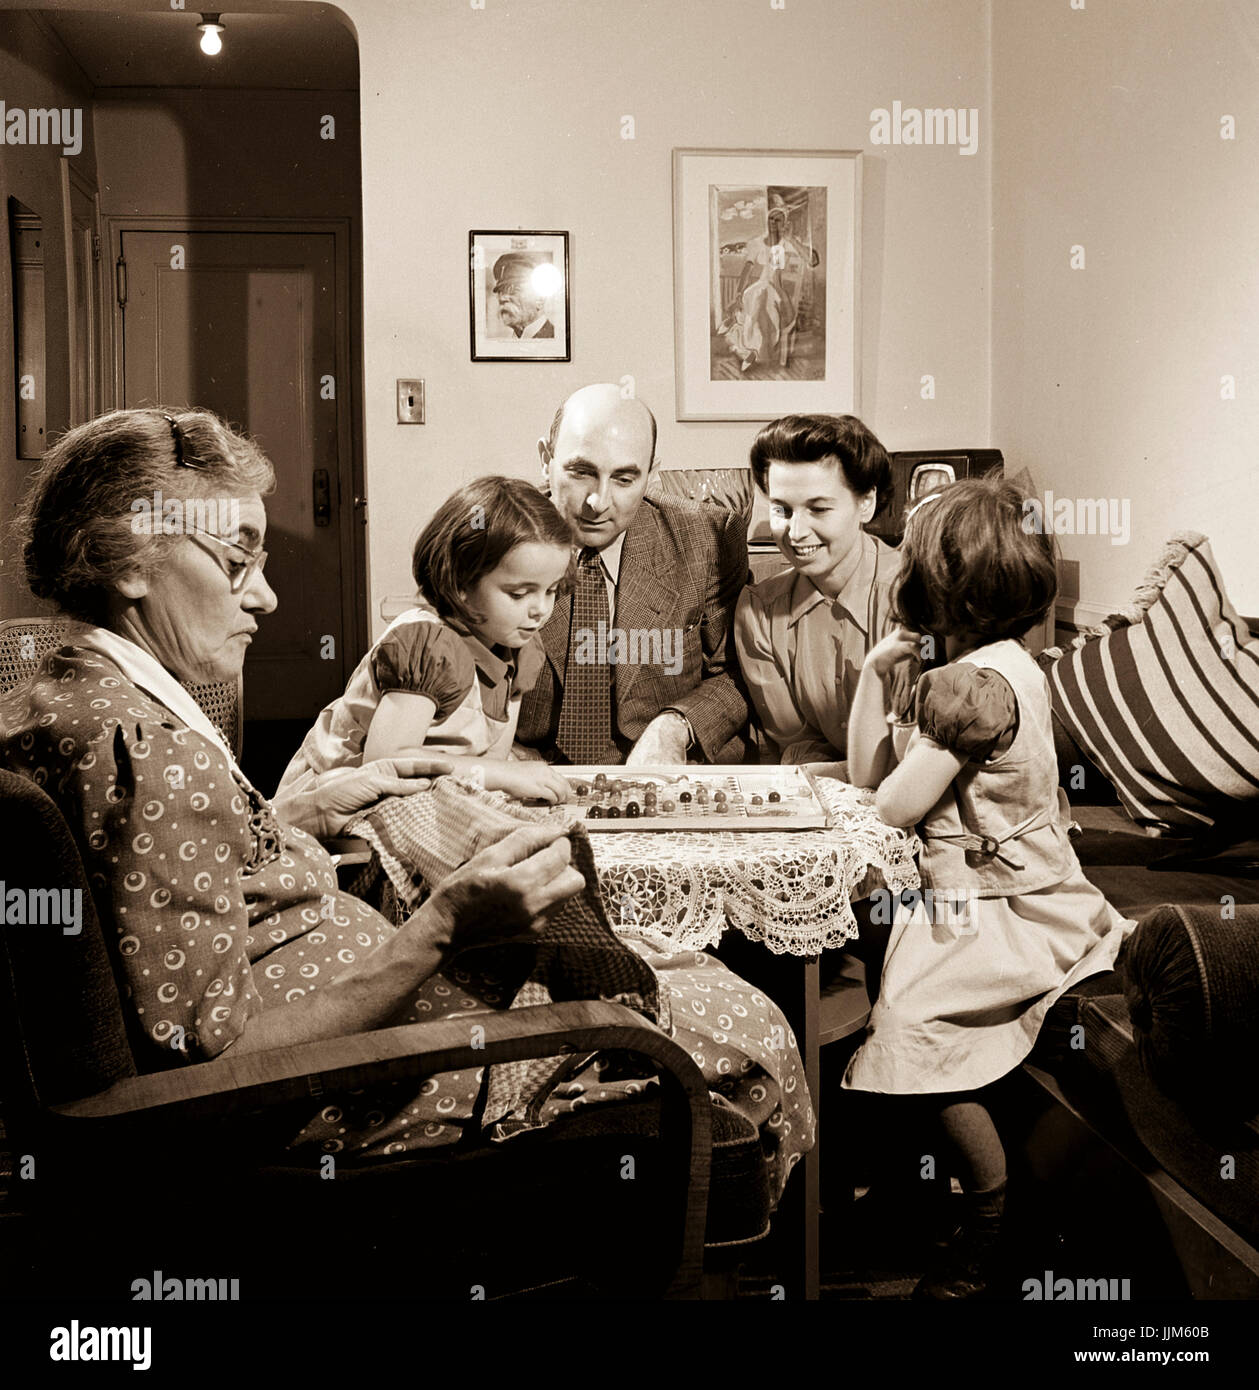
<point>239,571</point>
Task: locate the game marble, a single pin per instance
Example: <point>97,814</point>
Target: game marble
<point>717,797</point>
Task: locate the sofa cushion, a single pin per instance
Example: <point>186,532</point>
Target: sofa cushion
<point>1216,1161</point>
<point>1192,988</point>
<point>1164,697</point>
<point>1138,872</point>
<point>1082,780</point>
<point>730,488</point>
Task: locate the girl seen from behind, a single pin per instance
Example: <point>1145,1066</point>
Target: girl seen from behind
<point>1010,921</point>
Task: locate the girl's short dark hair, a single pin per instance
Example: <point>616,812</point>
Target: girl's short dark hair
<point>813,438</point>
<point>75,524</point>
<point>973,561</point>
<point>471,532</point>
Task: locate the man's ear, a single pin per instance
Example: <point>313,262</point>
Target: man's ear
<point>544,457</point>
<point>869,504</point>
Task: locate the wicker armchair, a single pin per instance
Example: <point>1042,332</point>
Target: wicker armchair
<point>24,642</point>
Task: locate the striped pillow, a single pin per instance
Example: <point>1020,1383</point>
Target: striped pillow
<point>1164,697</point>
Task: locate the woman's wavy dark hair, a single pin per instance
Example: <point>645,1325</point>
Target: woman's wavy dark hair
<point>471,532</point>
<point>972,561</point>
<point>75,524</point>
<point>814,438</point>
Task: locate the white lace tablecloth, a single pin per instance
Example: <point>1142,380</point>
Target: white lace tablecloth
<point>677,890</point>
<point>793,890</point>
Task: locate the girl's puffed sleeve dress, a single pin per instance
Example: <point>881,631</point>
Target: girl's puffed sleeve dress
<point>970,710</point>
<point>976,960</point>
<point>421,658</point>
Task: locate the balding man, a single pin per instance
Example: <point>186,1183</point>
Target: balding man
<point>640,655</point>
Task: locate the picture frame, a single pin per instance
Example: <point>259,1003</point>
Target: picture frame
<point>518,299</point>
<point>766,282</point>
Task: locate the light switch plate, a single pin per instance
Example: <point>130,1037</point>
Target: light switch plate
<point>410,402</point>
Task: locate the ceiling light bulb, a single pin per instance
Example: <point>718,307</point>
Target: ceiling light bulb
<point>210,30</point>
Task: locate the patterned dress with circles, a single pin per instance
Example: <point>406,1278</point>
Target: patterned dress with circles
<point>218,911</point>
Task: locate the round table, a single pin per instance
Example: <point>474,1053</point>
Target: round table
<point>791,890</point>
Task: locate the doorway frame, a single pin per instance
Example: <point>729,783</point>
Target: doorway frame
<point>74,180</point>
<point>355,618</point>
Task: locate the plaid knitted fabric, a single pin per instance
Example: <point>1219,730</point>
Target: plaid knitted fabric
<point>422,838</point>
<point>585,728</point>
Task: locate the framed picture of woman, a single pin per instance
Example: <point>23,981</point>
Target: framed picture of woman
<point>766,277</point>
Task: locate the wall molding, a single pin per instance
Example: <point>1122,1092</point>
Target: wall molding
<point>1079,614</point>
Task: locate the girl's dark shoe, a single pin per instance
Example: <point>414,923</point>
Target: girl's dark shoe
<point>968,1262</point>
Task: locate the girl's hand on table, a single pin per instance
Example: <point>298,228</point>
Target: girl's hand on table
<point>504,891</point>
<point>401,776</point>
<point>529,781</point>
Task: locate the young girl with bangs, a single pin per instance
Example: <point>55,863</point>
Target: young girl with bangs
<point>1010,922</point>
<point>447,676</point>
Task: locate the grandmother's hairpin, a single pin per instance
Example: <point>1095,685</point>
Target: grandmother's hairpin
<point>177,435</point>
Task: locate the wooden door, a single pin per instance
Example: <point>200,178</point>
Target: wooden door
<point>83,264</point>
<point>246,324</point>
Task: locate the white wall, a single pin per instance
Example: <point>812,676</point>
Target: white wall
<point>1107,380</point>
<point>1098,127</point>
<point>511,116</point>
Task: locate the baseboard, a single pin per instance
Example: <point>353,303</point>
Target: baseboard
<point>1078,615</point>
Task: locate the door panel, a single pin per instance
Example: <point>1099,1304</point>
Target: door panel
<point>247,327</point>
<point>85,289</point>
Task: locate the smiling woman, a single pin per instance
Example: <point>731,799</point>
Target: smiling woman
<point>802,635</point>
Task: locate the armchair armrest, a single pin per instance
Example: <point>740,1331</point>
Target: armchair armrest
<point>215,1090</point>
<point>210,1090</point>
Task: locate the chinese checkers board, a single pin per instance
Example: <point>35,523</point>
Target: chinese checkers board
<point>718,797</point>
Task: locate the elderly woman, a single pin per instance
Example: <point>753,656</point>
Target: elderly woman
<point>230,928</point>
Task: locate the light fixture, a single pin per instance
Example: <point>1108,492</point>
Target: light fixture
<point>210,29</point>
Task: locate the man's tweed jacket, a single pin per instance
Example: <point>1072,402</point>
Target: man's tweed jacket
<point>683,567</point>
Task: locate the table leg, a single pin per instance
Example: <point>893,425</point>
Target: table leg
<point>811,1052</point>
<point>793,983</point>
<point>796,990</point>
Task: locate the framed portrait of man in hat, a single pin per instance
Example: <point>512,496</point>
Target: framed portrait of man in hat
<point>518,296</point>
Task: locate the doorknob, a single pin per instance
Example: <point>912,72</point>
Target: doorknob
<point>321,499</point>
